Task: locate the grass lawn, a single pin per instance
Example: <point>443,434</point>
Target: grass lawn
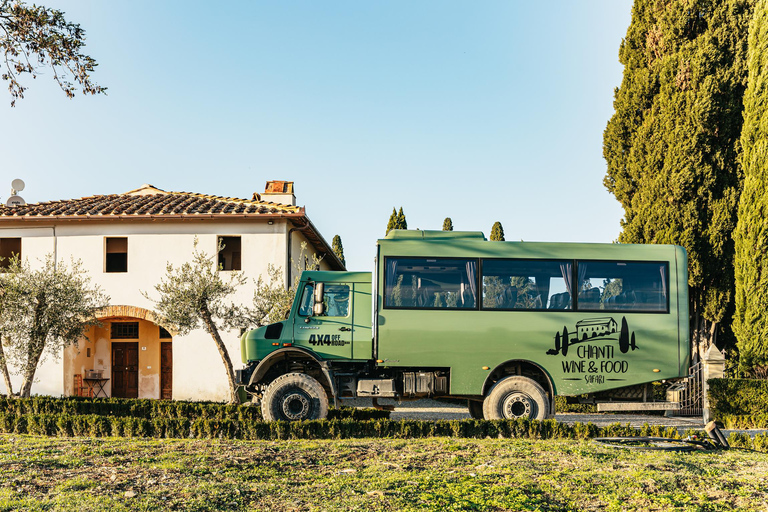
<point>100,474</point>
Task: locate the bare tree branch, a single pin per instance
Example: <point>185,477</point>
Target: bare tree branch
<point>56,43</point>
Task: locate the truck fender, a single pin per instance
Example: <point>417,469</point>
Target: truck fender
<point>487,384</point>
<point>263,367</point>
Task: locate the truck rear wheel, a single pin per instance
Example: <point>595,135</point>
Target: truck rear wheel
<point>516,397</point>
<point>293,397</point>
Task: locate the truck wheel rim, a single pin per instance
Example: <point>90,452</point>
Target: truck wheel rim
<point>518,405</point>
<point>295,406</point>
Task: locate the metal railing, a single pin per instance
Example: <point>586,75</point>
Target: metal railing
<point>691,395</point>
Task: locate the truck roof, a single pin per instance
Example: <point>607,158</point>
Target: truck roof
<point>335,276</point>
<point>411,234</point>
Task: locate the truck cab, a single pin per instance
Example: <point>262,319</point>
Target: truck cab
<point>326,333</point>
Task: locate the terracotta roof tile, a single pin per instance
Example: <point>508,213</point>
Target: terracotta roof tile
<point>148,200</point>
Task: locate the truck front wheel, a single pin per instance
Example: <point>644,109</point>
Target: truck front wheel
<point>294,396</point>
<point>516,397</point>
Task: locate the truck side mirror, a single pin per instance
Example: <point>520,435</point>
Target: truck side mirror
<point>319,308</point>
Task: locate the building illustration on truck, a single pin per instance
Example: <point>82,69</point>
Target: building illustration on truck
<point>595,327</point>
<point>450,314</point>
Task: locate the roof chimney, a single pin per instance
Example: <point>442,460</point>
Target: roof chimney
<point>279,192</point>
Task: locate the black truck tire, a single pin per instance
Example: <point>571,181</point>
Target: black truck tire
<point>293,397</point>
<point>516,397</point>
<point>475,409</point>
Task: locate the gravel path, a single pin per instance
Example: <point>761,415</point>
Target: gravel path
<point>433,410</point>
<point>430,410</point>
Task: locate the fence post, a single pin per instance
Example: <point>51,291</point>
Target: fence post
<point>713,367</point>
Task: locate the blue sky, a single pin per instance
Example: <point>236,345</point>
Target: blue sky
<point>479,111</point>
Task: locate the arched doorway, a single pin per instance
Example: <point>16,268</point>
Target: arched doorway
<point>131,352</point>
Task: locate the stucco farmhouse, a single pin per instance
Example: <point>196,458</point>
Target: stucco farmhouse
<point>125,242</point>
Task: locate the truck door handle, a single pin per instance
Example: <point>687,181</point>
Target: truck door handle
<point>345,329</point>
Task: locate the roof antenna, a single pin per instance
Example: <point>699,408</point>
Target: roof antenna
<point>17,186</point>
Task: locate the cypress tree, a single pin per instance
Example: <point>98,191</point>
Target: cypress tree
<point>672,145</point>
<point>750,322</point>
<point>338,249</point>
<point>565,341</point>
<point>624,336</point>
<point>392,224</point>
<point>447,224</point>
<point>401,222</point>
<point>497,232</point>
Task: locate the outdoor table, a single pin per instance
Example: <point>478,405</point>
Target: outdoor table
<point>96,387</point>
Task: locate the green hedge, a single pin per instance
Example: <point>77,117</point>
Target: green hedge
<point>125,426</point>
<point>64,425</point>
<point>149,409</point>
<point>562,405</point>
<point>739,403</point>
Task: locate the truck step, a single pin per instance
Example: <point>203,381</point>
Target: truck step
<point>637,406</point>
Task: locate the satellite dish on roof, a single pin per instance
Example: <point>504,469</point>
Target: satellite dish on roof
<point>17,185</point>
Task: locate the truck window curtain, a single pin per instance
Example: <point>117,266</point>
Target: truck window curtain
<point>390,279</point>
<point>472,278</point>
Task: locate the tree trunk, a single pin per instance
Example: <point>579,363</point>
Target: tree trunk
<point>214,332</point>
<point>33,359</point>
<point>6,373</point>
<point>35,347</point>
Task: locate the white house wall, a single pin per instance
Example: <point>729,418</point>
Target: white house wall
<point>198,372</point>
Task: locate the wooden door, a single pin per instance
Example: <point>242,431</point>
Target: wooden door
<point>125,369</point>
<point>166,370</point>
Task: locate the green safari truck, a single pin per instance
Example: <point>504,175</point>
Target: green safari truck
<point>505,325</point>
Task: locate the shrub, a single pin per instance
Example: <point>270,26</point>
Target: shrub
<point>739,403</point>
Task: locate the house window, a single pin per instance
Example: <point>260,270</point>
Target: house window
<point>164,335</point>
<point>116,257</point>
<point>9,247</point>
<point>229,255</point>
<point>124,330</point>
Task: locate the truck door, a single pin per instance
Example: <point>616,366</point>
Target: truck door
<point>327,333</point>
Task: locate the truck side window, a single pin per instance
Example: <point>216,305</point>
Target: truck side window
<point>623,285</point>
<point>307,300</point>
<point>336,300</point>
<point>430,283</point>
<point>526,284</point>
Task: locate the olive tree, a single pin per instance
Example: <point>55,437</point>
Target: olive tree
<point>45,310</point>
<point>195,295</point>
<point>272,297</point>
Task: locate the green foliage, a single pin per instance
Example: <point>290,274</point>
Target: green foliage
<point>35,37</point>
<point>392,223</point>
<point>447,224</point>
<point>195,292</point>
<point>195,295</point>
<point>562,405</point>
<point>739,403</point>
<point>44,310</point>
<point>750,323</point>
<point>497,232</point>
<point>95,417</point>
<point>672,145</point>
<point>338,249</point>
<point>272,301</point>
<point>397,220</point>
<point>401,222</point>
